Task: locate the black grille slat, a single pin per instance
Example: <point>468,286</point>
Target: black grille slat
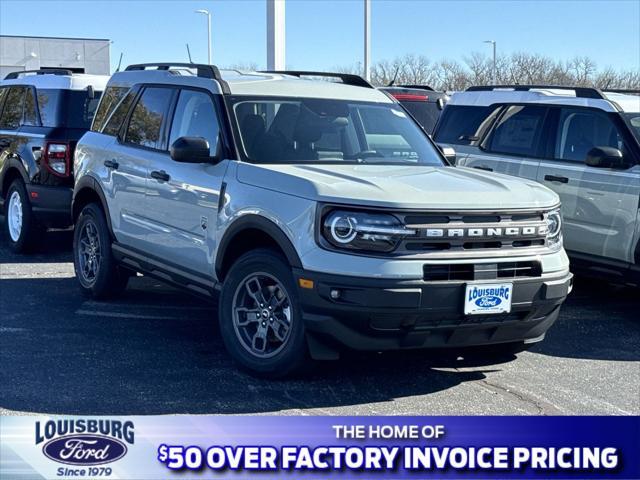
<point>481,271</point>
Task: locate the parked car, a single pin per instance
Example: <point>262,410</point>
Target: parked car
<point>320,211</point>
<point>422,101</point>
<point>43,113</point>
<point>582,143</point>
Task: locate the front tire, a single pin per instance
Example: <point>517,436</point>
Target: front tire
<point>21,228</point>
<point>260,318</point>
<point>95,268</point>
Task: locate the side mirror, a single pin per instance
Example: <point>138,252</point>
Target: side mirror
<point>190,150</point>
<point>449,153</point>
<point>605,157</point>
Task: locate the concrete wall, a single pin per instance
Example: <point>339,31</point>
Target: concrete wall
<point>32,53</point>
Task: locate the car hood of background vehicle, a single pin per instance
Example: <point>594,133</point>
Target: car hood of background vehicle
<point>400,186</point>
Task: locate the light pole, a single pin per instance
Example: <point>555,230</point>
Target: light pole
<point>495,72</point>
<point>206,12</point>
<point>367,40</point>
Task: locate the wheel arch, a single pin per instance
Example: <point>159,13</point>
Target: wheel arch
<point>248,233</point>
<point>13,170</point>
<point>88,190</point>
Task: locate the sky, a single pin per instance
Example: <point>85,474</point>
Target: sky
<point>323,35</point>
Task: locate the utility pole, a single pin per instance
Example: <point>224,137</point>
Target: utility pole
<point>494,74</point>
<point>276,35</point>
<point>367,40</point>
<point>206,12</point>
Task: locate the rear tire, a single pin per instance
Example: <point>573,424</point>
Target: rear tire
<point>260,317</point>
<point>96,270</point>
<point>21,228</point>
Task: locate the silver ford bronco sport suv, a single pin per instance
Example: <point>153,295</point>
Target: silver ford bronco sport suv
<point>320,212</point>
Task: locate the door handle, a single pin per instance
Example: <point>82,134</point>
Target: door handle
<point>111,164</point>
<point>160,175</point>
<point>555,178</point>
<point>482,167</point>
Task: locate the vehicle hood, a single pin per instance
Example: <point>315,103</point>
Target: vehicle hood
<point>415,187</point>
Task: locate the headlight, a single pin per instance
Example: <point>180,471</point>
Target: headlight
<point>363,231</point>
<point>554,227</point>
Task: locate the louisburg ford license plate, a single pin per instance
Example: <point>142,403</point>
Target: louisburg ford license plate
<point>483,298</point>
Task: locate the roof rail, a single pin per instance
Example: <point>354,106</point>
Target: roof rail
<point>52,71</point>
<point>582,92</point>
<point>347,78</point>
<point>202,70</point>
<point>417,87</point>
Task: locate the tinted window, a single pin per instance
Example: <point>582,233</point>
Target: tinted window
<point>579,130</point>
<point>464,125</point>
<point>13,106</point>
<point>49,106</point>
<point>518,130</point>
<point>147,116</point>
<point>195,117</point>
<point>426,113</point>
<point>80,108</point>
<point>109,101</point>
<point>115,122</point>
<point>30,112</point>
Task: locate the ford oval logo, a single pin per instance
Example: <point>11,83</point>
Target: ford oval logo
<point>488,301</point>
<point>84,449</point>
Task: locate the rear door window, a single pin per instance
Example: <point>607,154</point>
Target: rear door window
<point>147,117</point>
<point>13,107</point>
<point>518,131</point>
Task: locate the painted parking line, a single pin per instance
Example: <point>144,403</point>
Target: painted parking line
<point>25,271</point>
<point>98,313</point>
<point>92,303</point>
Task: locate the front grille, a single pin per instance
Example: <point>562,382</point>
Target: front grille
<point>455,232</point>
<point>481,271</point>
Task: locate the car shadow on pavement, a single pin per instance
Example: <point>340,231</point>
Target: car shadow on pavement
<point>157,351</point>
<point>598,321</point>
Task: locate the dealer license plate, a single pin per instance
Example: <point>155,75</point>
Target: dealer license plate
<point>487,298</point>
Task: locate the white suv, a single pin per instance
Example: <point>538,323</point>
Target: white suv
<point>320,211</point>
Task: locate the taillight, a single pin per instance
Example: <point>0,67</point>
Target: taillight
<point>57,158</point>
<point>410,97</point>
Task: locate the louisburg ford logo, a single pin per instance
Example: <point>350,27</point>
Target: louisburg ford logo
<point>488,297</point>
<point>84,442</point>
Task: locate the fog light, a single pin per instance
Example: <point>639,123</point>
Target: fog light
<point>335,293</point>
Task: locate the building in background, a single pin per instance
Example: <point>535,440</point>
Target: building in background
<point>80,55</point>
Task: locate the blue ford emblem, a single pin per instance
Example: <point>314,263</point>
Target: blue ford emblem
<point>488,301</point>
<point>84,449</point>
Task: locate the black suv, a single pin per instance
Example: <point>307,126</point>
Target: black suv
<point>43,114</point>
<point>422,102</point>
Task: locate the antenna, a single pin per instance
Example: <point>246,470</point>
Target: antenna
<point>119,62</point>
<point>189,53</point>
<point>395,76</point>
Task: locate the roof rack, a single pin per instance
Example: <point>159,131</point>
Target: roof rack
<point>52,71</point>
<point>202,70</point>
<point>581,92</point>
<point>416,87</point>
<point>347,78</point>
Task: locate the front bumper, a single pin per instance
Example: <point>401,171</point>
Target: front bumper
<point>383,314</point>
<point>51,205</point>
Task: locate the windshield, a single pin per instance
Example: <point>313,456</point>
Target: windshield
<point>633,119</point>
<point>295,130</point>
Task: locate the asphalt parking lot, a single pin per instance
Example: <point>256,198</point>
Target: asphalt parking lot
<point>156,350</point>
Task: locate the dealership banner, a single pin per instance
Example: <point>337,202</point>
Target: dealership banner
<point>319,447</point>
